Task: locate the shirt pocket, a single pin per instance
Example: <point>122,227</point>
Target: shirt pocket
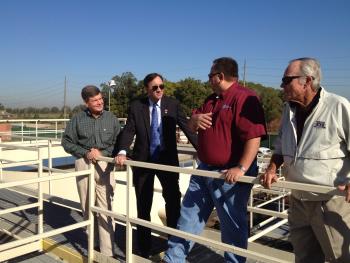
<point>84,132</point>
<point>107,134</point>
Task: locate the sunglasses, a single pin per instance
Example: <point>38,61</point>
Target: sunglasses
<point>155,87</point>
<point>288,79</point>
<point>210,75</point>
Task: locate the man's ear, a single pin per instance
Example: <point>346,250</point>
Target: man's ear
<point>309,79</point>
<point>221,76</point>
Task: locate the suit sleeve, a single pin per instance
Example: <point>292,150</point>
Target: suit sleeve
<point>182,121</point>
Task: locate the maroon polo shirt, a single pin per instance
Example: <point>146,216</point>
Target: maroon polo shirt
<point>237,117</point>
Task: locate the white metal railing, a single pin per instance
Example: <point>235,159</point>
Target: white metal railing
<point>40,127</point>
<point>6,250</point>
<point>34,243</point>
<point>131,220</point>
<point>37,127</point>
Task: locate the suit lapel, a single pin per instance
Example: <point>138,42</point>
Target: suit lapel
<point>145,113</point>
<point>163,107</point>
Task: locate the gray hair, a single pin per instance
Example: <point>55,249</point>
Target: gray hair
<point>311,67</point>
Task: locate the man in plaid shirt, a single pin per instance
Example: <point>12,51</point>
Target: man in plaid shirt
<point>90,134</point>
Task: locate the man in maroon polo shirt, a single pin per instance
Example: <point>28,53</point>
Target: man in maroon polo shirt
<point>230,125</point>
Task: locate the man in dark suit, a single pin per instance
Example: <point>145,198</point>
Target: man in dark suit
<point>153,120</point>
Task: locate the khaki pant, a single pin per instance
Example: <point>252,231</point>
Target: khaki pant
<point>104,190</point>
<point>320,230</point>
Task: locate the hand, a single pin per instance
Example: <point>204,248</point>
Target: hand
<point>201,121</point>
<point>232,175</point>
<point>268,178</point>
<point>346,189</point>
<point>93,154</point>
<point>120,159</point>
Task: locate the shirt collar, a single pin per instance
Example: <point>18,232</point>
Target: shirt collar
<point>309,107</point>
<point>88,112</point>
<point>225,93</point>
<point>158,103</point>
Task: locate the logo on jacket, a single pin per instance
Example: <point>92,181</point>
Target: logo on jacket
<point>226,107</point>
<point>320,124</point>
<point>165,111</point>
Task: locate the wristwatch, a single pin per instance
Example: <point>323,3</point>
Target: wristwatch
<point>242,168</point>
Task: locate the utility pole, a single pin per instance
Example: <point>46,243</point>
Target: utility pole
<point>244,68</point>
<point>65,98</point>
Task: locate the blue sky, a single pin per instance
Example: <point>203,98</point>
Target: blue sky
<point>42,41</point>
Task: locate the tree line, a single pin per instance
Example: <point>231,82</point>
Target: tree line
<point>34,112</point>
<point>190,92</point>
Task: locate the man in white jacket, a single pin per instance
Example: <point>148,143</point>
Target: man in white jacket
<point>314,146</point>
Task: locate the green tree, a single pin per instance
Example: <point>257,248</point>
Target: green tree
<point>54,110</point>
<point>126,89</point>
<point>271,100</point>
<point>78,108</point>
<point>44,110</point>
<point>191,93</point>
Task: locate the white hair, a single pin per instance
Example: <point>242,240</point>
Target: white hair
<point>310,67</point>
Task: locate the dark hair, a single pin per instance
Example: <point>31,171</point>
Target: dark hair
<point>89,91</point>
<point>151,77</point>
<point>226,65</point>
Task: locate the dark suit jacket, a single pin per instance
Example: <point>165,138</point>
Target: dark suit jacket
<point>138,123</point>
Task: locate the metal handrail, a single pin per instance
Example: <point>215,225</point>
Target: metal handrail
<point>30,244</point>
<point>130,220</point>
<point>244,179</point>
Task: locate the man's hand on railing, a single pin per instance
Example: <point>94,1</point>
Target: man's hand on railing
<point>232,175</point>
<point>268,178</point>
<point>346,189</point>
<point>120,159</point>
<point>93,154</point>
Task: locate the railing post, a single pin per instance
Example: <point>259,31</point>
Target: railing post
<point>22,131</point>
<point>36,130</point>
<point>251,219</point>
<point>40,228</point>
<point>128,215</point>
<point>91,191</point>
<point>49,149</point>
<point>56,130</point>
<point>194,163</point>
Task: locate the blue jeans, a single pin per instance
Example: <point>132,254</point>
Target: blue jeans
<point>202,195</point>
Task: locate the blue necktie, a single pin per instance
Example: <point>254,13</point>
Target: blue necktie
<point>155,135</point>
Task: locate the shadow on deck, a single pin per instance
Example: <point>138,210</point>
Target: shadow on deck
<point>23,224</point>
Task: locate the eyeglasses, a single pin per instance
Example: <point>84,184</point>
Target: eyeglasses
<point>155,87</point>
<point>210,75</point>
<point>288,79</point>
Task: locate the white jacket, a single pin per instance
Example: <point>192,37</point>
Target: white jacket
<point>322,155</point>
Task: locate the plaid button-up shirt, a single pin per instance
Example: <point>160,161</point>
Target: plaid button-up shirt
<point>84,132</point>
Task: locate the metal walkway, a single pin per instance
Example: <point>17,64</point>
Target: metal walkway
<point>72,246</point>
<point>23,224</point>
<point>36,258</point>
